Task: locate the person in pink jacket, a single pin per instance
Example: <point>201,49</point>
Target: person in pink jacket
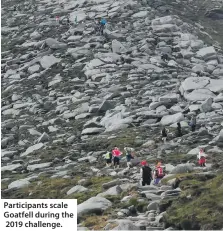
<point>116,153</point>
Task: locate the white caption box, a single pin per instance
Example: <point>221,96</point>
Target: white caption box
<point>38,214</point>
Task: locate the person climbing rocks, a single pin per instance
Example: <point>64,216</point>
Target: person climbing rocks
<point>193,123</point>
<point>103,22</point>
<point>164,57</point>
<point>158,173</point>
<point>62,5</point>
<point>164,134</point>
<point>116,153</point>
<point>108,158</point>
<point>57,19</point>
<point>75,20</point>
<point>146,173</point>
<point>179,131</point>
<point>129,155</point>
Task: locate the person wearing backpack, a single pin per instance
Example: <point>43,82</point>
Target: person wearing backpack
<point>108,158</point>
<point>129,155</point>
<point>159,173</point>
<point>146,173</point>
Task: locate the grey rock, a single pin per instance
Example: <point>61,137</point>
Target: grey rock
<point>54,44</point>
<point>93,205</point>
<point>182,168</point>
<point>206,106</point>
<point>39,166</point>
<point>18,184</point>
<point>43,138</point>
<point>116,190</point>
<point>153,206</point>
<point>91,131</point>
<point>71,139</point>
<point>48,61</point>
<point>106,105</point>
<point>171,119</point>
<point>117,47</point>
<point>77,189</point>
<point>12,167</point>
<point>32,149</point>
<point>206,52</point>
<point>125,225</point>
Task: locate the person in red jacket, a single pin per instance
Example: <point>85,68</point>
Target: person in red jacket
<point>116,153</point>
<point>158,173</point>
<point>202,161</point>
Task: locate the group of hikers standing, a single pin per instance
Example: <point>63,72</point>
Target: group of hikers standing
<point>116,155</point>
<point>147,174</point>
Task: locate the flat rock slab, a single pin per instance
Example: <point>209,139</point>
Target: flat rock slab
<point>48,61</point>
<point>93,205</point>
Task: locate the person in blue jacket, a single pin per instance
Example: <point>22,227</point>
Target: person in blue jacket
<point>103,22</point>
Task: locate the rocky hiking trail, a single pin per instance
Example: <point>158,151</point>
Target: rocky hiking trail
<point>69,95</point>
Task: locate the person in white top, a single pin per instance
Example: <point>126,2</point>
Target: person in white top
<point>200,154</point>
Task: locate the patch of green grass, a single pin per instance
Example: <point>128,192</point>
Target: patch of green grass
<point>202,210</point>
<point>97,222</point>
<point>122,138</point>
<point>44,188</point>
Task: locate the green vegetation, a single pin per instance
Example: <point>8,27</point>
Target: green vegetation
<point>97,222</point>
<point>125,137</point>
<point>199,206</point>
<point>56,188</point>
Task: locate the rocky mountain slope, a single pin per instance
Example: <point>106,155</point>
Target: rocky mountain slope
<point>69,94</point>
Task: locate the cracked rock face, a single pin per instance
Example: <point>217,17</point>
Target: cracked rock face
<point>69,93</point>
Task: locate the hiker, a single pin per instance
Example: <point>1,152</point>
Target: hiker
<point>129,155</point>
<point>202,161</point>
<point>201,153</point>
<point>62,5</point>
<point>179,131</point>
<point>108,158</point>
<point>164,57</point>
<point>116,154</point>
<point>57,19</point>
<point>158,173</point>
<point>164,134</point>
<point>75,20</point>
<point>146,173</point>
<point>103,22</point>
<point>193,123</point>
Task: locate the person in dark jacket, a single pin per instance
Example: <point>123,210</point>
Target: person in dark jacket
<point>193,123</point>
<point>179,131</point>
<point>164,134</point>
<point>146,173</point>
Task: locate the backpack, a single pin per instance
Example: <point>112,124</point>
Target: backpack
<point>160,172</point>
<point>146,172</point>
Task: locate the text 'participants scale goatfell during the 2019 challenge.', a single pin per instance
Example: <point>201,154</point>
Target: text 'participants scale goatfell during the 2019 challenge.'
<point>38,214</point>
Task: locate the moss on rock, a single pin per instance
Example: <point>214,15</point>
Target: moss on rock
<point>199,207</point>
